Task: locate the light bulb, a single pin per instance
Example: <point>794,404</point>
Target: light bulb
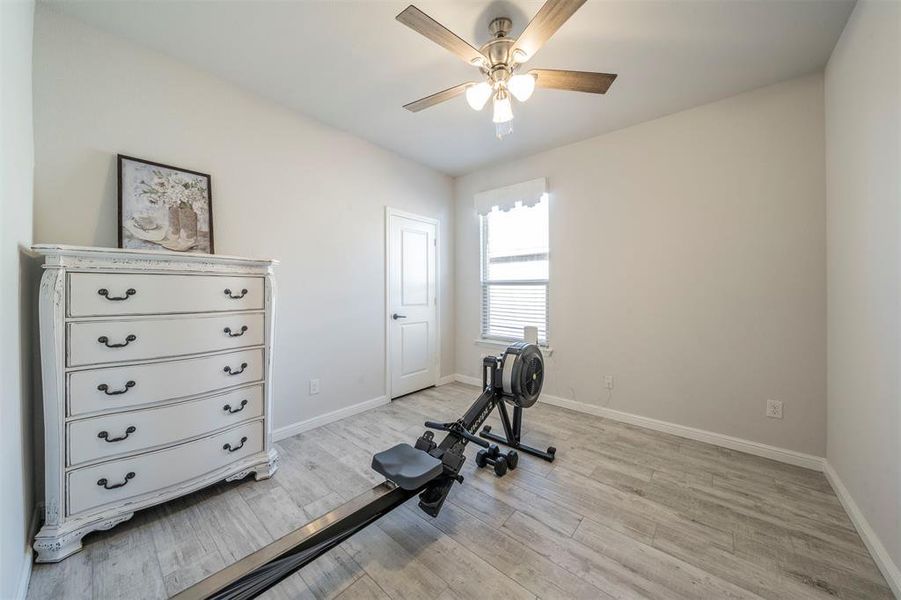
<point>477,95</point>
<point>503,112</point>
<point>522,86</point>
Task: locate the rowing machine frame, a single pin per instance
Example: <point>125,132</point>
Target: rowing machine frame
<point>265,568</point>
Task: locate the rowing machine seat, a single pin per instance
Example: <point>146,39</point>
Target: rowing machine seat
<point>406,466</point>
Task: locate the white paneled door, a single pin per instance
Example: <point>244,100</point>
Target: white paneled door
<point>412,303</point>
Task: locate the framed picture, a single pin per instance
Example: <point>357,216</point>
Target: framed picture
<point>163,207</point>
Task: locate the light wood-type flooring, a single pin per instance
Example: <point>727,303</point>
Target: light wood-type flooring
<point>623,512</point>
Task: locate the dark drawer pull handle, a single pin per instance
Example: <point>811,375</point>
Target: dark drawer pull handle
<point>105,388</point>
<point>230,372</point>
<point>234,297</point>
<point>128,477</point>
<point>104,435</point>
<point>128,293</point>
<point>229,408</point>
<point>128,339</point>
<point>236,448</point>
<point>228,330</point>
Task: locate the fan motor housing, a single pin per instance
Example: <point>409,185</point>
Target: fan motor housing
<point>522,374</point>
<point>498,49</point>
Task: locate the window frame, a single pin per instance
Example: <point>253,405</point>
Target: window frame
<point>484,285</point>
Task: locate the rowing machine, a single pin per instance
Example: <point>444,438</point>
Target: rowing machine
<point>518,374</point>
<point>428,469</point>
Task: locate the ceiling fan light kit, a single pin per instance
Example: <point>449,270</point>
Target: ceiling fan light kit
<point>499,59</point>
<point>522,86</point>
<point>477,95</point>
<point>503,114</point>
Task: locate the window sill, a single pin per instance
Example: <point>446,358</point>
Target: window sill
<point>546,350</point>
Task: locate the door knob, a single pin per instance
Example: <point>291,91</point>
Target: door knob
<point>396,316</point>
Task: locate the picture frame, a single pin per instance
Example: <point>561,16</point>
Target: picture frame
<point>163,207</point>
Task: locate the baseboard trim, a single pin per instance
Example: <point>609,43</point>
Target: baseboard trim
<point>446,379</point>
<point>25,574</point>
<point>783,455</point>
<point>877,550</point>
<point>330,417</point>
<point>460,378</point>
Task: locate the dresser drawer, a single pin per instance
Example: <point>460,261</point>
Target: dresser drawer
<point>127,478</point>
<point>97,342</point>
<point>101,294</point>
<point>117,388</point>
<point>121,433</point>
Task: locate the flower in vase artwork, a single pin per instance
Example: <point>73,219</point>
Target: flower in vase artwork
<point>164,208</point>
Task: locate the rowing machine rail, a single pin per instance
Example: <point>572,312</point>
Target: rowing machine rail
<point>405,472</point>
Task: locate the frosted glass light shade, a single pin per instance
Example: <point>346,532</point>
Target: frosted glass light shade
<point>477,95</point>
<point>522,86</point>
<point>503,112</point>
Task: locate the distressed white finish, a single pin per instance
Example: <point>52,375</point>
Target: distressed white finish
<point>160,338</point>
<point>158,470</point>
<point>163,294</point>
<point>161,425</point>
<point>162,379</point>
<point>171,384</point>
<point>157,338</point>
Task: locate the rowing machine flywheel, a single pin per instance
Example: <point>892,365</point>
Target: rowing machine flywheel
<point>522,374</point>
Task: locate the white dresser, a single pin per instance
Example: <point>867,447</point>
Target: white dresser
<point>156,369</point>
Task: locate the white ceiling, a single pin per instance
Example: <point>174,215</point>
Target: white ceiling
<point>351,65</point>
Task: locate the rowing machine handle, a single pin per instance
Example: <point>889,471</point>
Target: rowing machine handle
<point>458,430</point>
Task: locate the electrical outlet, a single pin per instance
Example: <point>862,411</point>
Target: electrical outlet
<point>314,387</point>
<point>608,382</point>
<point>774,409</point>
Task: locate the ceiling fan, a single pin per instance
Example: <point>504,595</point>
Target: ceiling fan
<point>500,58</point>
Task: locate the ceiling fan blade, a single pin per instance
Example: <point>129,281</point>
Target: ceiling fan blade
<point>438,98</point>
<point>422,23</point>
<point>576,81</point>
<point>543,25</point>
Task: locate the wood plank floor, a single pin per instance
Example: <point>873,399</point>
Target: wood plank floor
<point>623,513</point>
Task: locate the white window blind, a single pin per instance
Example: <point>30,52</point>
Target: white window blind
<point>515,271</point>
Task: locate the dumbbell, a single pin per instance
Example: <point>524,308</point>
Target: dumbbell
<point>501,462</point>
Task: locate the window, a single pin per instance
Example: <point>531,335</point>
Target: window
<point>515,267</point>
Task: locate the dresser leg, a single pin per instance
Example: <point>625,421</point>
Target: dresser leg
<point>270,467</point>
<point>51,551</point>
<point>53,544</point>
<point>264,469</point>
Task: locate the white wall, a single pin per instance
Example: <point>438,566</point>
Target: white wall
<point>688,261</point>
<point>863,135</point>
<point>16,177</point>
<point>284,186</point>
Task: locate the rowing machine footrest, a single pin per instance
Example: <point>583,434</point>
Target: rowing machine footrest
<point>406,466</point>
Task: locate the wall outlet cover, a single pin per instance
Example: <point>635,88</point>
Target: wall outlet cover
<point>314,387</point>
<point>774,409</point>
<point>608,382</point>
